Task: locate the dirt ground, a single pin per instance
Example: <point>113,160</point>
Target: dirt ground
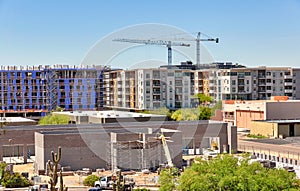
<point>75,182</point>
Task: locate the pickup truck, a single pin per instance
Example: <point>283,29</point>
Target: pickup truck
<point>106,183</point>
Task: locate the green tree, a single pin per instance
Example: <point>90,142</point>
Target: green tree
<point>90,180</point>
<point>227,172</point>
<point>168,179</point>
<point>188,114</point>
<point>13,180</point>
<point>203,99</point>
<point>159,111</point>
<point>54,119</point>
<point>205,113</point>
<point>191,114</point>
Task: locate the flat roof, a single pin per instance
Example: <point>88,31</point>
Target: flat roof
<point>280,121</point>
<point>152,124</point>
<point>15,119</point>
<point>113,130</point>
<point>108,114</point>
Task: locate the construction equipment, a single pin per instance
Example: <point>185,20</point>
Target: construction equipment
<point>169,44</point>
<point>198,39</point>
<point>166,149</point>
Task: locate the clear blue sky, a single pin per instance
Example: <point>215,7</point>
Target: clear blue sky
<point>253,32</point>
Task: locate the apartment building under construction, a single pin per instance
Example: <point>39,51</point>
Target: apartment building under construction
<point>33,91</point>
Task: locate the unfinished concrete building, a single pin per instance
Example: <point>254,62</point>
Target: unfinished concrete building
<point>132,145</point>
<point>134,149</point>
<point>33,91</point>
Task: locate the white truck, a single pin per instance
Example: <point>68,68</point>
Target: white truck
<point>107,182</point>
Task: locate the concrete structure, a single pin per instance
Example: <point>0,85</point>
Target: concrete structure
<point>109,116</point>
<point>276,128</point>
<point>241,113</point>
<point>196,135</point>
<point>33,91</point>
<point>132,145</point>
<point>136,149</point>
<point>16,121</point>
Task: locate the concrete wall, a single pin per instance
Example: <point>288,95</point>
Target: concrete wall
<point>282,110</point>
<point>75,152</point>
<point>23,135</point>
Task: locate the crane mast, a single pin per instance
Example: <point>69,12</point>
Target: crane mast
<point>166,150</point>
<point>198,39</point>
<point>166,43</point>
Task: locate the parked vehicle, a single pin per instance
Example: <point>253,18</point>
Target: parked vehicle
<point>107,182</point>
<point>95,189</point>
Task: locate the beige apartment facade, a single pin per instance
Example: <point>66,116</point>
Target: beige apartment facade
<point>242,113</point>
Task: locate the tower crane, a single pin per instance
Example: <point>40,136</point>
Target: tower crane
<point>198,39</point>
<point>169,44</point>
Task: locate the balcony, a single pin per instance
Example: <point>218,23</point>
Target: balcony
<point>288,77</point>
<point>288,83</point>
<point>288,91</point>
<point>230,117</point>
<point>269,91</point>
<point>261,83</point>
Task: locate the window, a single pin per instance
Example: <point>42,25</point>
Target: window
<point>233,89</point>
<point>247,81</point>
<point>233,82</point>
<point>147,75</point>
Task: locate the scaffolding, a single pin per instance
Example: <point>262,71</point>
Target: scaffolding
<point>51,92</point>
<point>135,155</point>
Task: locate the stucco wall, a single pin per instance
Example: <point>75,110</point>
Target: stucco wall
<point>244,117</point>
<point>263,128</point>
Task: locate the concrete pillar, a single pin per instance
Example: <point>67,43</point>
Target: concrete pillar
<point>25,153</point>
<point>1,153</point>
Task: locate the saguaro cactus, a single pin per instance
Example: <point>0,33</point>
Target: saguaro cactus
<point>52,168</point>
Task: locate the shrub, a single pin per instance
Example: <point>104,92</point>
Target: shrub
<point>256,136</point>
<point>90,180</point>
<point>14,180</point>
<point>54,120</point>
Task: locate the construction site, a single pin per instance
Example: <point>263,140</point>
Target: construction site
<point>34,91</point>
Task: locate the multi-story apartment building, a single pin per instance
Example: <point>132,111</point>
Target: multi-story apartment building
<point>35,90</point>
<point>254,83</point>
<point>167,86</point>
<point>202,82</point>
